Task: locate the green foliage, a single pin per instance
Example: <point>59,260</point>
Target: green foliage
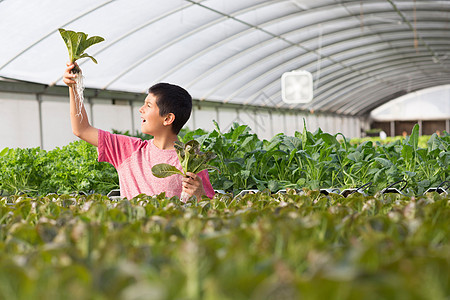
<point>165,170</point>
<point>191,159</point>
<point>259,246</point>
<point>307,159</point>
<point>321,160</point>
<point>423,139</point>
<point>77,43</point>
<point>300,244</point>
<point>73,168</point>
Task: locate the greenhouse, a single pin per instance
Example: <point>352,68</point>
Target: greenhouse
<point>314,163</point>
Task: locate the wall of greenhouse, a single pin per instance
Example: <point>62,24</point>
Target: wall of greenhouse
<point>430,108</point>
<point>39,120</point>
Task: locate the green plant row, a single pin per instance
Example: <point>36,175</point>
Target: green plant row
<point>259,246</point>
<point>423,140</point>
<point>72,168</point>
<point>321,160</point>
<point>307,159</point>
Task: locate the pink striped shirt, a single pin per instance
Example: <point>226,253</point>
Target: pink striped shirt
<point>134,158</point>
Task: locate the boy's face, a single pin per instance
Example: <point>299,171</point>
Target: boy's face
<point>151,121</point>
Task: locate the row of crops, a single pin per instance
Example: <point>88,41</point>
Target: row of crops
<point>258,246</point>
<point>321,160</point>
<point>316,160</point>
<point>58,243</point>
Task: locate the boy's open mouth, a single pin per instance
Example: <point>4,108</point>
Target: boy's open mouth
<point>143,120</point>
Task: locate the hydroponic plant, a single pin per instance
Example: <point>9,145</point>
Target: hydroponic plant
<point>260,246</point>
<point>77,43</point>
<point>315,160</point>
<point>191,159</point>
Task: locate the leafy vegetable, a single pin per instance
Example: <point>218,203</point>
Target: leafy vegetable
<point>260,246</point>
<point>191,159</point>
<point>72,168</point>
<point>77,43</point>
<point>307,159</point>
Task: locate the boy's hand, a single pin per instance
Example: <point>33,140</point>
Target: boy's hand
<point>193,185</point>
<point>68,77</point>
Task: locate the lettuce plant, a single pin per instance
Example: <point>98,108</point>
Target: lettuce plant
<point>77,43</point>
<point>191,159</point>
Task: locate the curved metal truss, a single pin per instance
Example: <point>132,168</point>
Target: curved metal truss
<point>361,53</point>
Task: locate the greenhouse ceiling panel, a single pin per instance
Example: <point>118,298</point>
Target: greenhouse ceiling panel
<point>361,53</point>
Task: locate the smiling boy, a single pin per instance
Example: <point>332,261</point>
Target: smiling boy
<point>166,109</point>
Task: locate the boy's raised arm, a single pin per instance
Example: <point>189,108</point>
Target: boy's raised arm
<point>80,123</point>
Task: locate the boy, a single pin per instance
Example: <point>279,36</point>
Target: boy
<point>166,109</point>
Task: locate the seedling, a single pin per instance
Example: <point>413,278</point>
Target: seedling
<point>77,43</point>
<point>191,159</point>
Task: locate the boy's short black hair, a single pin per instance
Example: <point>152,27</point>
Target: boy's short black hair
<point>174,99</point>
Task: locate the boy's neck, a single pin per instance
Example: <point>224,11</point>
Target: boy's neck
<point>166,142</point>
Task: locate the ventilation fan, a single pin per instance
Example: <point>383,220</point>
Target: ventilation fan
<point>297,87</point>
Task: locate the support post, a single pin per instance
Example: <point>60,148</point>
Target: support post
<point>91,110</point>
<point>133,126</point>
<point>271,123</point>
<point>217,115</point>
<point>41,130</point>
<point>193,112</point>
<point>392,128</point>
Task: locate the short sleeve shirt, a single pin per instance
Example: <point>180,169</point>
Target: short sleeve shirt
<point>134,158</point>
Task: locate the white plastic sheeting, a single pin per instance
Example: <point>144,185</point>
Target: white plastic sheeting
<point>361,53</point>
<point>32,120</point>
<point>428,104</point>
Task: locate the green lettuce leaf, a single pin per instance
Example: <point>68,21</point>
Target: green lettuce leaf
<point>77,43</point>
<point>165,170</point>
<point>191,159</point>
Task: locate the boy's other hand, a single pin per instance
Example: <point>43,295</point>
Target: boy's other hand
<point>68,77</point>
<point>193,185</point>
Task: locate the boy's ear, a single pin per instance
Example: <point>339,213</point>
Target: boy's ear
<point>168,120</point>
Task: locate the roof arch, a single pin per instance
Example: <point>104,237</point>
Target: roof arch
<point>361,53</point>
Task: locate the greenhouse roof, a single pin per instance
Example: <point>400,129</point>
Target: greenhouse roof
<point>361,53</point>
